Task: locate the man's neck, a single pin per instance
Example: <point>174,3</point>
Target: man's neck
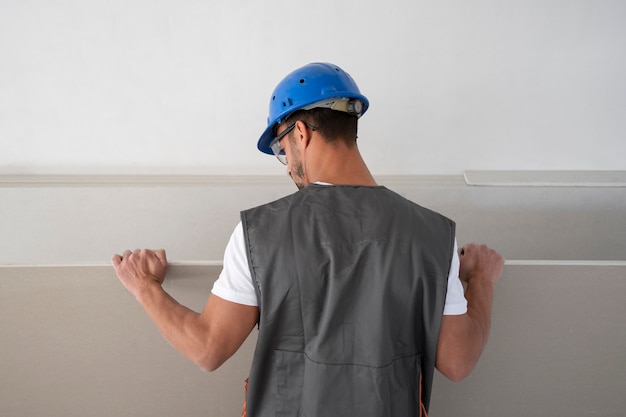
<point>342,166</point>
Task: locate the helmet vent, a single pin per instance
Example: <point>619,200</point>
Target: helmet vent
<point>287,103</point>
<point>302,81</point>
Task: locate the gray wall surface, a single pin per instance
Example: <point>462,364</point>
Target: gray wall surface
<point>75,343</point>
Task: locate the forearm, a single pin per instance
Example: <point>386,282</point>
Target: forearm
<point>463,338</point>
<point>479,295</point>
<point>179,325</point>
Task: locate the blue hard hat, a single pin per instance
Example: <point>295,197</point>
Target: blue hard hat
<point>314,85</point>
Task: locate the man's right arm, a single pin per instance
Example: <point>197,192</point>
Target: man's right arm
<point>462,338</point>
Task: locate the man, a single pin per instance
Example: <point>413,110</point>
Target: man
<point>356,291</point>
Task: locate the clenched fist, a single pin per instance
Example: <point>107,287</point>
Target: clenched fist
<point>480,261</point>
<point>140,269</point>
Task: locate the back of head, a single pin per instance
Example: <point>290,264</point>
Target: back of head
<point>322,90</point>
<point>333,126</point>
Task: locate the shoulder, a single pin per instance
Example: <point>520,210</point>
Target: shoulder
<point>422,211</point>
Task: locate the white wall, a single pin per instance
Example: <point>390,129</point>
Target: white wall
<point>142,86</point>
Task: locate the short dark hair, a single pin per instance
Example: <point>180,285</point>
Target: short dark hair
<point>332,125</point>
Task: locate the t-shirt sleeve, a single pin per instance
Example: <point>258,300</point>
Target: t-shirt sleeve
<point>456,303</point>
<point>235,282</point>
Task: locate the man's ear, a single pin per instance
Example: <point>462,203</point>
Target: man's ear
<point>302,133</point>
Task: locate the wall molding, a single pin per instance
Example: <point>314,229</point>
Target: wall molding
<point>545,178</point>
<point>212,264</point>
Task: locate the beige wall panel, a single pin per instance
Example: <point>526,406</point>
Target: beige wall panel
<point>75,343</point>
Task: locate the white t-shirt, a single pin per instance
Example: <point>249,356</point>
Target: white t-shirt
<point>235,282</point>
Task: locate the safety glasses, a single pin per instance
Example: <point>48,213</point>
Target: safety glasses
<point>275,144</point>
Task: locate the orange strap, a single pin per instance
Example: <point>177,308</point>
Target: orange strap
<point>422,408</point>
<point>245,392</point>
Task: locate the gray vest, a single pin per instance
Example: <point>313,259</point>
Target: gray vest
<point>351,284</point>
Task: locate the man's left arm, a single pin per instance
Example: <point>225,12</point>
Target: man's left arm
<point>462,338</point>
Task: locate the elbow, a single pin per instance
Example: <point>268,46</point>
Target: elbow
<point>208,363</point>
<point>207,366</point>
<point>455,375</point>
<point>204,351</point>
<point>456,371</point>
<point>209,359</point>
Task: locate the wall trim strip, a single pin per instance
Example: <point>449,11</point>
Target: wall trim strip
<point>218,263</point>
<point>546,178</point>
